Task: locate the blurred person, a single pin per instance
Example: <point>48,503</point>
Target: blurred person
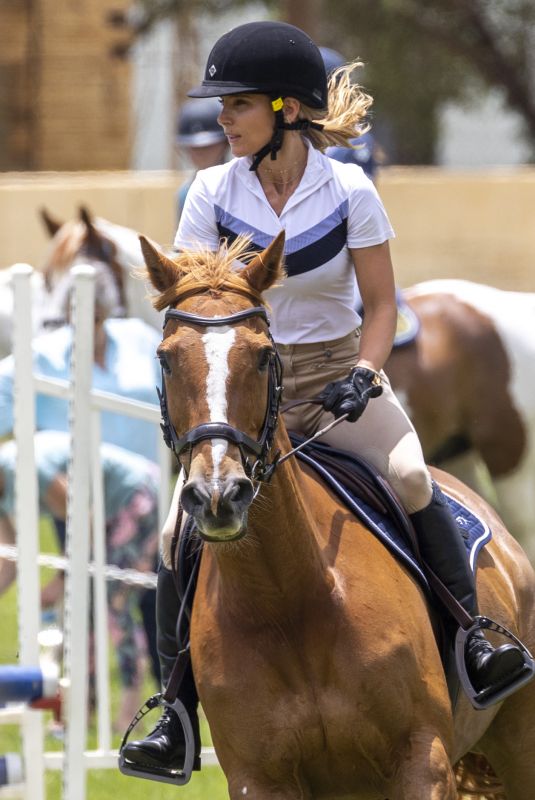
<point>131,513</point>
<point>200,137</point>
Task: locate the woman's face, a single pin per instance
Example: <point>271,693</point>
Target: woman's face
<point>247,120</point>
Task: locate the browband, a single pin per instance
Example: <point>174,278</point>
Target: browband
<point>184,316</point>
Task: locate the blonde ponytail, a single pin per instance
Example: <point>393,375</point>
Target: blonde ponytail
<point>348,106</point>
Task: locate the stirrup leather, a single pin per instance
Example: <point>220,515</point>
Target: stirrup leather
<point>492,694</point>
<point>176,776</point>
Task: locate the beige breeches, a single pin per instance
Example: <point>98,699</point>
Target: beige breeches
<point>384,436</point>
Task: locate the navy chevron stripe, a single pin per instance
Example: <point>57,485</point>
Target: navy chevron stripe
<point>319,252</point>
<point>307,258</point>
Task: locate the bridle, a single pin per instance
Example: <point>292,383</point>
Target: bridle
<point>254,453</point>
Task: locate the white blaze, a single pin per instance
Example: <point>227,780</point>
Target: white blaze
<point>217,345</point>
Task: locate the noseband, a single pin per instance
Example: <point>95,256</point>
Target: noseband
<point>259,469</point>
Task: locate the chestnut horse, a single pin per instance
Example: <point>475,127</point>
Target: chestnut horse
<point>467,381</point>
<point>312,647</point>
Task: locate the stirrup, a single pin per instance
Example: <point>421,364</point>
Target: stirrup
<point>491,694</point>
<point>176,776</point>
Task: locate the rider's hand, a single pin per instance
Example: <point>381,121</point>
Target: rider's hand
<point>350,396</point>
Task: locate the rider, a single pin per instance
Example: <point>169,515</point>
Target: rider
<point>279,114</point>
<point>201,138</point>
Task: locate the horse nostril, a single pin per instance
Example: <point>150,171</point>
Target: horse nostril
<point>193,499</point>
<point>240,493</point>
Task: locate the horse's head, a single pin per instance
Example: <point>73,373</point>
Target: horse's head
<point>74,242</point>
<point>221,377</point>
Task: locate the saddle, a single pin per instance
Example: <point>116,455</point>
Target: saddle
<point>407,325</point>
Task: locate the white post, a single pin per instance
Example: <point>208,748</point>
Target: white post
<point>27,520</point>
<point>78,535</point>
<point>99,589</point>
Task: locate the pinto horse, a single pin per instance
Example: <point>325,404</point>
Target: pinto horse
<point>92,239</point>
<point>468,383</point>
<point>312,646</point>
<point>85,240</point>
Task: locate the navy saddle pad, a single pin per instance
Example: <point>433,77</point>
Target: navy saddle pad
<point>475,531</point>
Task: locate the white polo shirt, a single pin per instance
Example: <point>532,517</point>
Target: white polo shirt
<point>335,207</point>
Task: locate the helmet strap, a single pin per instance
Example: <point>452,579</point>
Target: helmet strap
<point>275,143</point>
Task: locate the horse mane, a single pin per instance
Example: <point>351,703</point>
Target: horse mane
<point>205,270</point>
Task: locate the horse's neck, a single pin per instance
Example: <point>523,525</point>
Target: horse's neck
<point>279,564</point>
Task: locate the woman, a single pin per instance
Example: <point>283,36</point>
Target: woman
<point>275,102</point>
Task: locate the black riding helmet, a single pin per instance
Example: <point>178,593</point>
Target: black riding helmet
<point>271,58</point>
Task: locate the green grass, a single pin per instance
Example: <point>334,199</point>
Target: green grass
<point>209,784</point>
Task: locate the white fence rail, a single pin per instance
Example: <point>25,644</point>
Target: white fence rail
<point>85,502</point>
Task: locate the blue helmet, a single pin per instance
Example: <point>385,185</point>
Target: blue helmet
<point>197,125</point>
<point>332,59</point>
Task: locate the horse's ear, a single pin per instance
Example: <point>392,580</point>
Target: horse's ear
<point>52,225</point>
<point>267,267</point>
<point>85,216</point>
<point>163,272</point>
<point>93,236</point>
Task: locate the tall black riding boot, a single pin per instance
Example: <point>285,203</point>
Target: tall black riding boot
<point>442,548</point>
<point>165,746</point>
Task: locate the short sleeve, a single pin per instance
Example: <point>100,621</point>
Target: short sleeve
<point>368,223</point>
<point>197,227</point>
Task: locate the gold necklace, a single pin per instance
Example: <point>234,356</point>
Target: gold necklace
<point>289,179</point>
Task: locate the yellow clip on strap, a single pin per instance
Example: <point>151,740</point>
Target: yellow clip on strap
<point>277,104</point>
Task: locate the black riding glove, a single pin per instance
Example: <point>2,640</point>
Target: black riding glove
<point>350,396</point>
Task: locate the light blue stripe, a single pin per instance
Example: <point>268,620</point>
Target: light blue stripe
<point>238,226</point>
<point>296,243</point>
<point>319,230</point>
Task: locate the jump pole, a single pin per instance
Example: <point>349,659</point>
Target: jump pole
<point>28,684</point>
<point>78,535</point>
<point>27,520</point>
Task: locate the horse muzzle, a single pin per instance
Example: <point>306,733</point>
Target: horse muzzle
<point>218,508</point>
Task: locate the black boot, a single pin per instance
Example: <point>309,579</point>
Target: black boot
<point>442,548</point>
<point>165,745</point>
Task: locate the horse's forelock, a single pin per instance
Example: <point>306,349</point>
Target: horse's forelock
<point>206,270</point>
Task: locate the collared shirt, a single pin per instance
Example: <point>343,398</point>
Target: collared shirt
<point>131,369</point>
<point>334,208</point>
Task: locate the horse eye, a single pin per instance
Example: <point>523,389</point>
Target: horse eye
<point>264,358</point>
<point>164,363</point>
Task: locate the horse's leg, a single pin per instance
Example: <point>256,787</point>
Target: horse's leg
<point>470,469</point>
<point>425,772</point>
<point>516,505</point>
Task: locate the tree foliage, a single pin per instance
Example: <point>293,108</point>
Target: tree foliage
<point>421,53</point>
